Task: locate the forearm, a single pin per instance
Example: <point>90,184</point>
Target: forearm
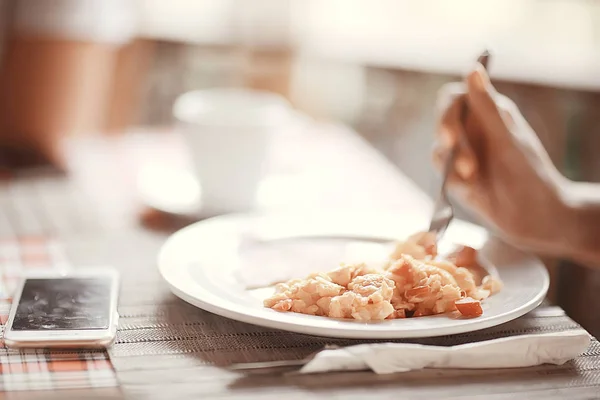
<point>581,230</point>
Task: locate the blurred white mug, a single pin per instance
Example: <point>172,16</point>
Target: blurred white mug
<point>227,132</point>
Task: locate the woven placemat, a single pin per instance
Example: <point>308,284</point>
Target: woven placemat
<point>176,342</point>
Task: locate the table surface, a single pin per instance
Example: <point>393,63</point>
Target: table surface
<point>166,348</point>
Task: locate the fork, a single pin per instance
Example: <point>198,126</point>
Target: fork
<point>268,365</point>
<point>443,212</point>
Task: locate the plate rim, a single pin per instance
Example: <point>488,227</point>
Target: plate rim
<point>346,332</point>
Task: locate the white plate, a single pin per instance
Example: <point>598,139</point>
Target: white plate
<point>212,263</point>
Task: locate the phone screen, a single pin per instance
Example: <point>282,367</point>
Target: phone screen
<point>64,304</point>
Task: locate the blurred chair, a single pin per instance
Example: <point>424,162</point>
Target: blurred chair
<point>58,62</point>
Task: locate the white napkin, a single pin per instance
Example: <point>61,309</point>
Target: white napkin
<point>511,352</point>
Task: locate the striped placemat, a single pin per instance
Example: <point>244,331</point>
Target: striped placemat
<point>175,348</point>
<point>23,370</point>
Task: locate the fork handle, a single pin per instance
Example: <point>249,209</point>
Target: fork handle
<point>267,364</point>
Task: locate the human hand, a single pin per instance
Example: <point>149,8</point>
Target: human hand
<point>501,171</point>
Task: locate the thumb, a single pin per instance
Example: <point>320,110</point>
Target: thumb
<point>479,81</point>
<point>481,100</point>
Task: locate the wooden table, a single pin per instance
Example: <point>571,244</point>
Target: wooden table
<point>168,349</point>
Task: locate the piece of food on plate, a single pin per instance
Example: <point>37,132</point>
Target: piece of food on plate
<point>464,256</point>
<point>421,246</point>
<point>416,282</point>
<point>351,291</point>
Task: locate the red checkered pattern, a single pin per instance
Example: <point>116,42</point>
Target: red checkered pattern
<point>22,254</point>
<point>43,369</point>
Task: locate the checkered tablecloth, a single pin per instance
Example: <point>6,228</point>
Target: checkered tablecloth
<point>43,369</point>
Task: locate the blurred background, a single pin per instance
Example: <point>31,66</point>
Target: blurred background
<point>89,67</point>
<point>105,65</point>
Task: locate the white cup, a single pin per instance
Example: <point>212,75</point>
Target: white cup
<point>227,132</point>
